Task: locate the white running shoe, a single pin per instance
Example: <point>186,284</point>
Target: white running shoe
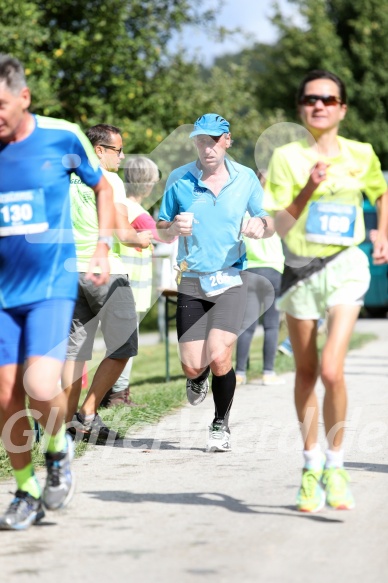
<point>59,488</point>
<point>197,391</point>
<point>219,438</point>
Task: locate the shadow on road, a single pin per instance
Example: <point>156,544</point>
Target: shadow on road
<point>205,499</point>
<point>379,468</point>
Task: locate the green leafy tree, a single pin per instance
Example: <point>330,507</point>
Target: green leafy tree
<point>96,60</point>
<point>106,60</point>
<point>347,37</point>
<point>228,91</point>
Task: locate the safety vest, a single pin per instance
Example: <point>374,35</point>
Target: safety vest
<point>138,263</point>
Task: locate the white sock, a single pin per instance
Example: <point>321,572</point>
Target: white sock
<point>87,419</point>
<point>334,459</point>
<point>313,458</point>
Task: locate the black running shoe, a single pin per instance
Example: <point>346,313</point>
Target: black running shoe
<point>94,432</point>
<point>23,511</point>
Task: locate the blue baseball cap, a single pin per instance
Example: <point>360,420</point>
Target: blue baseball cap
<point>210,124</point>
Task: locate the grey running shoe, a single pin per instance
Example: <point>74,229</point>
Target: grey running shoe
<point>219,438</point>
<point>59,488</point>
<point>94,432</point>
<point>23,511</point>
<point>197,391</point>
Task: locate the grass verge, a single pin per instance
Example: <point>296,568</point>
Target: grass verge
<point>148,387</point>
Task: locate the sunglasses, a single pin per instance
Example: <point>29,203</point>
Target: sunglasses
<point>205,140</point>
<point>326,99</point>
<point>117,150</point>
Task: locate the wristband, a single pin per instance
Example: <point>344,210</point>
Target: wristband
<point>107,240</point>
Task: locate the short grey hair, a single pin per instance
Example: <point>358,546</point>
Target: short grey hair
<point>139,174</point>
<point>12,74</point>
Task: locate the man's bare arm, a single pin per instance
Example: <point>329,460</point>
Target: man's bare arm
<point>126,233</point>
<point>170,230</point>
<point>105,212</point>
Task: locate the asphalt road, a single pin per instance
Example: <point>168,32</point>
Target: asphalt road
<point>160,509</point>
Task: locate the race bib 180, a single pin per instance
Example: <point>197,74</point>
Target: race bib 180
<point>331,223</point>
<point>22,212</point>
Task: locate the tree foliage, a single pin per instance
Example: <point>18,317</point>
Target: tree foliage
<point>106,61</point>
<point>99,60</point>
<point>347,37</point>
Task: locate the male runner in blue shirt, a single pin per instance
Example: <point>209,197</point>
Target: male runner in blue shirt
<point>212,286</point>
<point>38,287</point>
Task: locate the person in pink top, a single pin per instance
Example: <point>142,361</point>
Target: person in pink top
<point>140,176</point>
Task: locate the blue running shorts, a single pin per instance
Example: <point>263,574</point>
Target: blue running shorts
<point>37,329</point>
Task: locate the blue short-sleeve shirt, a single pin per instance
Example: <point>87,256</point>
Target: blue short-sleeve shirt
<point>38,169</point>
<point>216,242</point>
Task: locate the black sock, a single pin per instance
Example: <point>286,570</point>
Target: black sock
<point>223,388</point>
<point>203,375</point>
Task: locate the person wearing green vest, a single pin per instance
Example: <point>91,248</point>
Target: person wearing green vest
<point>112,304</point>
<point>265,261</point>
<point>140,176</point>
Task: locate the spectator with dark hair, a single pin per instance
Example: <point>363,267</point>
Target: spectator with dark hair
<point>111,304</point>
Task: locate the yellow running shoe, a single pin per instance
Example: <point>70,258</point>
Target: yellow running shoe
<point>336,484</point>
<point>272,380</point>
<point>241,379</point>
<point>311,495</point>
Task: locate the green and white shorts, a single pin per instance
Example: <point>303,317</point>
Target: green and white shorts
<point>343,281</point>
